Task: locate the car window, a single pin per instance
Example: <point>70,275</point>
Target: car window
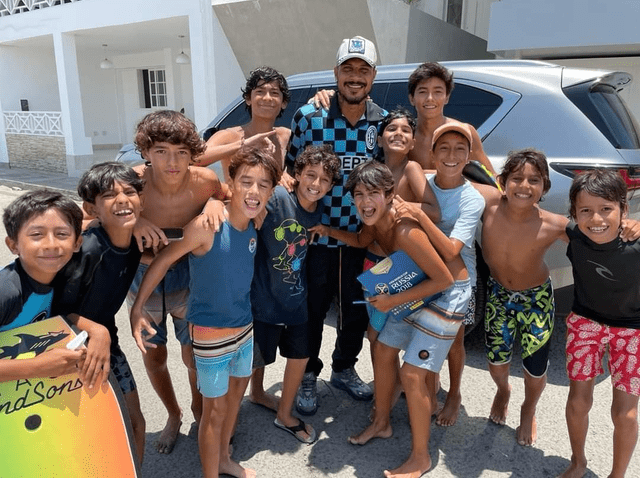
<point>471,105</point>
<point>398,97</point>
<point>606,110</point>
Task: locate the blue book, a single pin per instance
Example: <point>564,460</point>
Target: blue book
<point>391,275</point>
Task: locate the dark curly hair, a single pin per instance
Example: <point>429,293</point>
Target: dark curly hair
<point>324,155</point>
<point>168,126</point>
<point>430,70</point>
<point>262,75</point>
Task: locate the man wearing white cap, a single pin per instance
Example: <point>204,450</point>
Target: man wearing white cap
<point>350,126</point>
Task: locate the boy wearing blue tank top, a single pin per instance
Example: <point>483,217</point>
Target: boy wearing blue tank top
<point>219,309</point>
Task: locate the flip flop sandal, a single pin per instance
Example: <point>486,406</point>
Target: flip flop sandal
<point>294,430</point>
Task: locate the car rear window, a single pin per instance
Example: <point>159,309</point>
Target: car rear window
<point>607,111</point>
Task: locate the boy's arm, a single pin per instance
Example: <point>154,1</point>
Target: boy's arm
<point>361,239</point>
<point>415,243</point>
<point>630,230</point>
<point>98,359</point>
<point>52,363</point>
<point>195,238</point>
<point>422,189</point>
<point>227,142</point>
<point>447,247</point>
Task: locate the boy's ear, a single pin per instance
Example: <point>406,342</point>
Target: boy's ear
<point>89,208</point>
<point>11,244</point>
<point>78,243</point>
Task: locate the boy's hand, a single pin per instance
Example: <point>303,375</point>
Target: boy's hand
<point>287,181</point>
<point>262,140</point>
<point>322,98</point>
<point>148,234</point>
<point>382,302</point>
<point>98,358</point>
<point>259,219</point>
<point>406,209</point>
<point>141,321</point>
<point>630,230</point>
<point>59,361</point>
<point>212,216</point>
<point>319,230</point>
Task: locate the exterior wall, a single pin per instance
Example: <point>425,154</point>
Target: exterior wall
<point>44,153</point>
<point>540,29</point>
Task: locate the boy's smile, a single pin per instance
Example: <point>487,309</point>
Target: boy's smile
<point>371,203</point>
<point>451,154</point>
<point>45,244</point>
<point>524,185</point>
<point>397,137</point>
<point>599,219</point>
<point>313,184</point>
<point>430,97</point>
<point>119,207</point>
<point>266,100</point>
<point>251,188</point>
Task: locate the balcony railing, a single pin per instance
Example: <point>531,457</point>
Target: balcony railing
<point>44,123</point>
<point>10,7</point>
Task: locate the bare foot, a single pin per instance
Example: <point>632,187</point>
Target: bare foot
<point>169,435</point>
<point>266,400</point>
<point>412,468</point>
<point>527,432</point>
<point>575,470</point>
<point>499,407</point>
<point>372,431</point>
<point>230,467</point>
<point>448,415</point>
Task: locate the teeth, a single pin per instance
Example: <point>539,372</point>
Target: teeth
<point>313,191</point>
<point>598,229</point>
<point>252,202</point>
<point>123,212</point>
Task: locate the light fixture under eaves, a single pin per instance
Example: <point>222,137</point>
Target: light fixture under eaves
<point>182,58</point>
<point>105,64</point>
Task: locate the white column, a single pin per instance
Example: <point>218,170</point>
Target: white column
<point>78,145</point>
<point>4,151</point>
<point>169,70</point>
<point>203,65</point>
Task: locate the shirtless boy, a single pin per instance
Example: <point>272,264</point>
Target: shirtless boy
<point>430,87</point>
<point>371,186</point>
<point>175,192</point>
<point>266,95</point>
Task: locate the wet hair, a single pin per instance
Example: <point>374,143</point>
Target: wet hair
<point>516,161</point>
<point>603,183</point>
<point>398,113</point>
<point>168,126</point>
<point>373,175</point>
<point>255,157</point>
<point>324,155</point>
<point>262,75</point>
<point>101,178</point>
<point>36,203</point>
<point>430,70</point>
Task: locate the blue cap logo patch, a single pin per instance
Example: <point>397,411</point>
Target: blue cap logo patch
<point>356,46</point>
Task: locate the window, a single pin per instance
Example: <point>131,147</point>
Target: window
<point>152,87</point>
<point>454,12</point>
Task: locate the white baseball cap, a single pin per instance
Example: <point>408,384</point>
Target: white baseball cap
<point>357,47</point>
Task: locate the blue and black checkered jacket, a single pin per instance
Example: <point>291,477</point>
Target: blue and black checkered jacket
<point>352,144</point>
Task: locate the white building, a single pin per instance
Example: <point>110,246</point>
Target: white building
<point>58,102</point>
<point>601,34</point>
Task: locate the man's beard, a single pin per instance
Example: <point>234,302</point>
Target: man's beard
<point>353,100</point>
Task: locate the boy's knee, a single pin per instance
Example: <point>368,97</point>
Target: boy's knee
<point>579,404</point>
<point>155,358</point>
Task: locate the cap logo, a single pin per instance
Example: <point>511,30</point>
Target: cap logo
<point>356,46</point>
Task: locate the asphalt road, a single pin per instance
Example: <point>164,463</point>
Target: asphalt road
<point>473,448</point>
